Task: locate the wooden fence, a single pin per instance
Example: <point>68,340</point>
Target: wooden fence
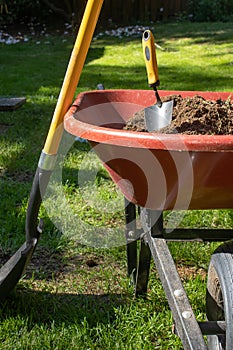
<point>127,11</point>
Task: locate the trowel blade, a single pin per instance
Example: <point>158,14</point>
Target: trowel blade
<point>158,117</point>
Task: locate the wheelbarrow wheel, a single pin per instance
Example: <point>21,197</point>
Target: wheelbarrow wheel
<point>219,296</point>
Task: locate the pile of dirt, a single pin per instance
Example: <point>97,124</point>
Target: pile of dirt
<point>192,116</point>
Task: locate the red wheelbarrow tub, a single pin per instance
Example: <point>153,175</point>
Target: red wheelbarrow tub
<point>155,171</point>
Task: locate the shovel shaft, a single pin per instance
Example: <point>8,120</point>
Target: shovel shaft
<point>149,53</point>
<point>73,73</point>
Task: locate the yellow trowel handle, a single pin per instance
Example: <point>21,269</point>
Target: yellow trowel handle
<point>149,53</point>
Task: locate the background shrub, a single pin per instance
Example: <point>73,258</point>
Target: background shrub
<point>211,10</point>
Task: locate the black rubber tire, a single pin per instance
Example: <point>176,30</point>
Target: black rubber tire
<point>219,296</point>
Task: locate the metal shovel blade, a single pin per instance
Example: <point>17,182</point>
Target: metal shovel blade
<point>13,269</point>
<point>158,117</point>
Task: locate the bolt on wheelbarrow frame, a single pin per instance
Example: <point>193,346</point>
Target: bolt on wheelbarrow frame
<point>12,271</point>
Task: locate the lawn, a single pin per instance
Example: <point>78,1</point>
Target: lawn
<point>75,296</point>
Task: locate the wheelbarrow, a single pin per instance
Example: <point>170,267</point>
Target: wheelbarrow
<point>201,184</point>
<point>158,172</point>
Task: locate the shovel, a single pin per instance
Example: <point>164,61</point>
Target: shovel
<point>160,114</point>
<point>13,269</point>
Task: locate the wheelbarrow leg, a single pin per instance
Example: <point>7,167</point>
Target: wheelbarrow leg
<point>143,269</point>
<point>153,220</point>
<point>131,239</point>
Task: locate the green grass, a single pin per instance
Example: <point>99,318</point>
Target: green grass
<point>62,302</point>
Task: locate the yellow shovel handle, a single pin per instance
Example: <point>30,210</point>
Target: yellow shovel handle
<point>148,45</point>
<point>73,73</point>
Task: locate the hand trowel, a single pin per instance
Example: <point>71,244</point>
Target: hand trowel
<point>160,114</point>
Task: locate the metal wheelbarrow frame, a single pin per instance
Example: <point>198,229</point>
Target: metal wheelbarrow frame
<point>153,241</point>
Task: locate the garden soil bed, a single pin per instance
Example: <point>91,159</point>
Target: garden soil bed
<point>192,116</point>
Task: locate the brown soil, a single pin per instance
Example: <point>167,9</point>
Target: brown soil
<point>192,116</point>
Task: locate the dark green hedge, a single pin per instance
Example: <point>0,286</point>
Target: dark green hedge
<point>120,11</point>
<point>211,10</point>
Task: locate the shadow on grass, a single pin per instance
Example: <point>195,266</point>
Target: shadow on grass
<point>37,67</point>
<point>47,308</point>
<point>56,301</point>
